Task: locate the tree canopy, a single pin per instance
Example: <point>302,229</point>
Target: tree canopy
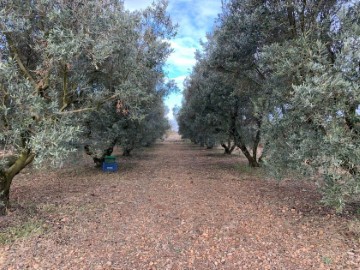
<point>73,71</point>
<point>283,74</point>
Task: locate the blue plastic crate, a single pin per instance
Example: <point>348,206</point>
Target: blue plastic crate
<point>110,167</point>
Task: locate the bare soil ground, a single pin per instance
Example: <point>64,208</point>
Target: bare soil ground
<point>173,206</point>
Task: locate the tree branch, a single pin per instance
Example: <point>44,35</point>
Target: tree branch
<point>16,56</point>
<point>4,101</point>
<point>88,108</point>
<point>25,158</point>
<point>65,102</point>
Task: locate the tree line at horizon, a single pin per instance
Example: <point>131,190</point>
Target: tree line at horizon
<point>285,75</point>
<point>79,73</point>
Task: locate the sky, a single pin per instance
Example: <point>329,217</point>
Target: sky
<point>195,18</point>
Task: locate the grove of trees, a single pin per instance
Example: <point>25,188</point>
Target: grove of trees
<point>284,75</point>
<point>76,72</point>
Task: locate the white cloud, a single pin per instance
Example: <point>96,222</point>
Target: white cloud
<point>179,80</point>
<point>182,59</point>
<point>137,4</point>
<point>170,115</point>
<point>195,19</point>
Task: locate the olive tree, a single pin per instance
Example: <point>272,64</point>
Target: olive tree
<point>314,124</point>
<point>57,65</point>
<point>136,117</point>
<point>207,108</point>
<point>231,61</point>
<point>294,66</point>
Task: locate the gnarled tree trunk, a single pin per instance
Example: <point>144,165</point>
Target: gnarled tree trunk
<point>239,141</point>
<point>228,147</point>
<point>98,160</point>
<point>5,183</point>
<point>8,173</point>
<point>202,142</point>
<point>210,143</point>
<point>127,151</point>
<point>251,159</point>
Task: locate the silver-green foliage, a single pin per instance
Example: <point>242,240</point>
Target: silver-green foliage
<point>294,68</point>
<point>49,52</point>
<point>31,122</point>
<point>136,117</point>
<point>314,125</point>
<point>62,60</point>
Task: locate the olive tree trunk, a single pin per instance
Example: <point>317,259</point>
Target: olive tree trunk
<point>253,162</point>
<point>239,140</point>
<point>228,147</point>
<point>127,152</point>
<point>7,174</point>
<point>98,160</point>
<point>5,183</point>
<point>128,147</point>
<point>210,143</point>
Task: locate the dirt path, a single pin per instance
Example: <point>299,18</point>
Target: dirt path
<point>174,206</point>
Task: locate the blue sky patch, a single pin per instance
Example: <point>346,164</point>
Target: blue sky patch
<point>195,19</point>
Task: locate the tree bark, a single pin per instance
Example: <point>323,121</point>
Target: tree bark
<point>210,143</point>
<point>4,193</point>
<point>202,141</point>
<point>291,17</point>
<point>263,154</point>
<point>98,160</point>
<point>8,174</point>
<point>257,139</point>
<point>228,148</point>
<point>238,140</point>
<point>302,17</point>
<point>127,152</point>
<point>251,159</point>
